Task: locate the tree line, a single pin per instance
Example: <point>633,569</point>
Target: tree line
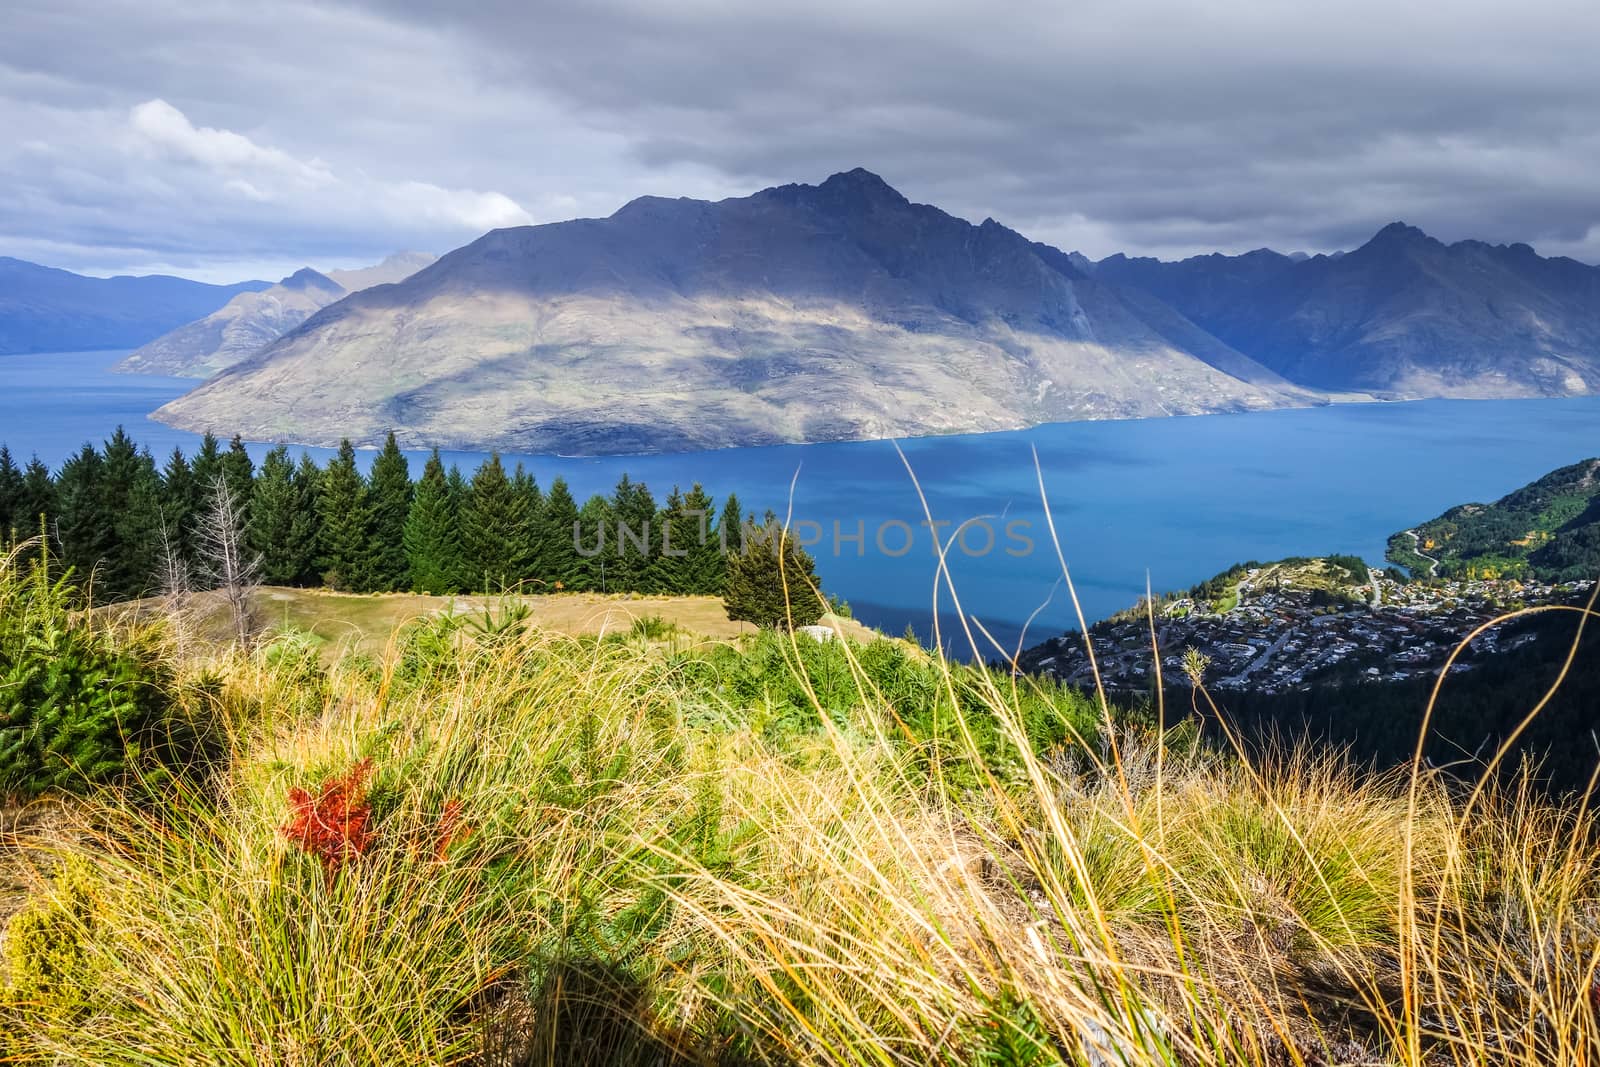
<point>113,512</point>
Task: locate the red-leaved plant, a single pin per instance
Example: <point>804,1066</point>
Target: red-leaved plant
<point>331,824</point>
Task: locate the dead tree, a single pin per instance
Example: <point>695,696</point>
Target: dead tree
<point>177,587</point>
<point>227,565</point>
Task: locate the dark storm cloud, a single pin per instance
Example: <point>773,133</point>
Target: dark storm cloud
<point>1161,128</point>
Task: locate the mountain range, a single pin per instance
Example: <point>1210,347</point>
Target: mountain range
<point>1404,315</point>
<point>800,313</point>
<point>253,320</point>
<point>43,309</point>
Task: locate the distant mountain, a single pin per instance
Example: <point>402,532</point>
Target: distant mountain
<point>251,321</point>
<point>1404,315</point>
<point>1549,530</point>
<point>43,309</point>
<point>801,313</point>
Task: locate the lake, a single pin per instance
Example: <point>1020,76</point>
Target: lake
<point>1175,499</point>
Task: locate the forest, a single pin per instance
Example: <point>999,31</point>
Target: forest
<point>115,514</point>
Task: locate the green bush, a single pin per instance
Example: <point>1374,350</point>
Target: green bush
<point>77,701</point>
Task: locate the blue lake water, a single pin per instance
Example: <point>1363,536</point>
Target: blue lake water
<point>1178,499</point>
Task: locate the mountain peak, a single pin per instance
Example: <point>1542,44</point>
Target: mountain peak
<point>306,278</point>
<point>860,182</point>
<point>1399,233</point>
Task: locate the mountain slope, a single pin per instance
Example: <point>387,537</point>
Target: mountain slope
<point>801,313</point>
<point>1548,529</point>
<point>1403,315</point>
<point>251,321</point>
<point>43,309</point>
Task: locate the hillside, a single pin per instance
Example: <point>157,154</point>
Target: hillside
<point>43,309</point>
<point>1404,315</point>
<point>800,313</point>
<point>251,321</point>
<point>1547,530</point>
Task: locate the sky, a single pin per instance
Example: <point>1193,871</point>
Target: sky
<point>223,140</point>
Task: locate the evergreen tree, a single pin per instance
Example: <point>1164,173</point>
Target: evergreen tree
<point>562,562</point>
<point>10,495</point>
<point>703,567</point>
<point>432,533</point>
<point>493,529</point>
<point>772,581</point>
<point>636,538</point>
<point>389,493</point>
<point>179,500</point>
<point>38,499</point>
<point>597,531</point>
<point>306,529</point>
<point>138,529</point>
<point>730,536</point>
<point>205,467</point>
<point>679,531</point>
<point>531,546</point>
<point>239,473</point>
<point>346,524</point>
<point>275,529</point>
<point>81,524</point>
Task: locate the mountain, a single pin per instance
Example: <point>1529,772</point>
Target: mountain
<point>1404,315</point>
<point>800,313</point>
<point>43,309</point>
<point>1548,530</point>
<point>251,321</point>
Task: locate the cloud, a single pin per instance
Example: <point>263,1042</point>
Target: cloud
<point>211,136</point>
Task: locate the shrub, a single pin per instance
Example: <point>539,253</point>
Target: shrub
<point>46,962</point>
<point>77,700</point>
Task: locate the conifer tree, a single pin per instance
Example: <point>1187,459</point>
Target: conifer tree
<point>275,530</point>
<point>179,502</point>
<point>679,532</point>
<point>432,533</point>
<point>493,524</point>
<point>595,546</point>
<point>10,496</point>
<point>730,534</point>
<point>138,530</point>
<point>346,523</point>
<point>556,522</point>
<point>636,537</point>
<point>38,500</point>
<point>239,472</point>
<point>772,581</point>
<point>81,524</point>
<point>306,530</point>
<point>703,567</point>
<point>206,467</point>
<point>389,493</point>
<point>531,544</point>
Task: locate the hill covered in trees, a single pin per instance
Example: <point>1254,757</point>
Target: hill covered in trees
<point>114,512</point>
<point>1547,530</point>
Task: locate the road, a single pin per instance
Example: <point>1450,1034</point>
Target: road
<point>1416,542</point>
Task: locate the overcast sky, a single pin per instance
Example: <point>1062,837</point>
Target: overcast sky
<point>228,140</point>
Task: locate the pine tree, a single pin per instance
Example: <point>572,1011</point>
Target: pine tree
<point>82,524</point>
<point>206,467</point>
<point>275,530</point>
<point>346,524</point>
<point>432,533</point>
<point>138,528</point>
<point>38,500</point>
<point>679,531</point>
<point>493,522</point>
<point>562,563</point>
<point>305,532</point>
<point>531,544</point>
<point>703,567</point>
<point>389,493</point>
<point>772,582</point>
<point>596,550</point>
<point>239,472</point>
<point>730,536</point>
<point>179,501</point>
<point>10,496</point>
<point>636,537</point>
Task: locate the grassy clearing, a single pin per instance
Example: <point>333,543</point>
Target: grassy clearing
<point>571,850</point>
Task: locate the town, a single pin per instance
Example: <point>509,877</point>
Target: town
<point>1279,627</point>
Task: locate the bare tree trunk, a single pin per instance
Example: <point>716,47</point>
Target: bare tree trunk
<point>176,588</point>
<point>230,568</point>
